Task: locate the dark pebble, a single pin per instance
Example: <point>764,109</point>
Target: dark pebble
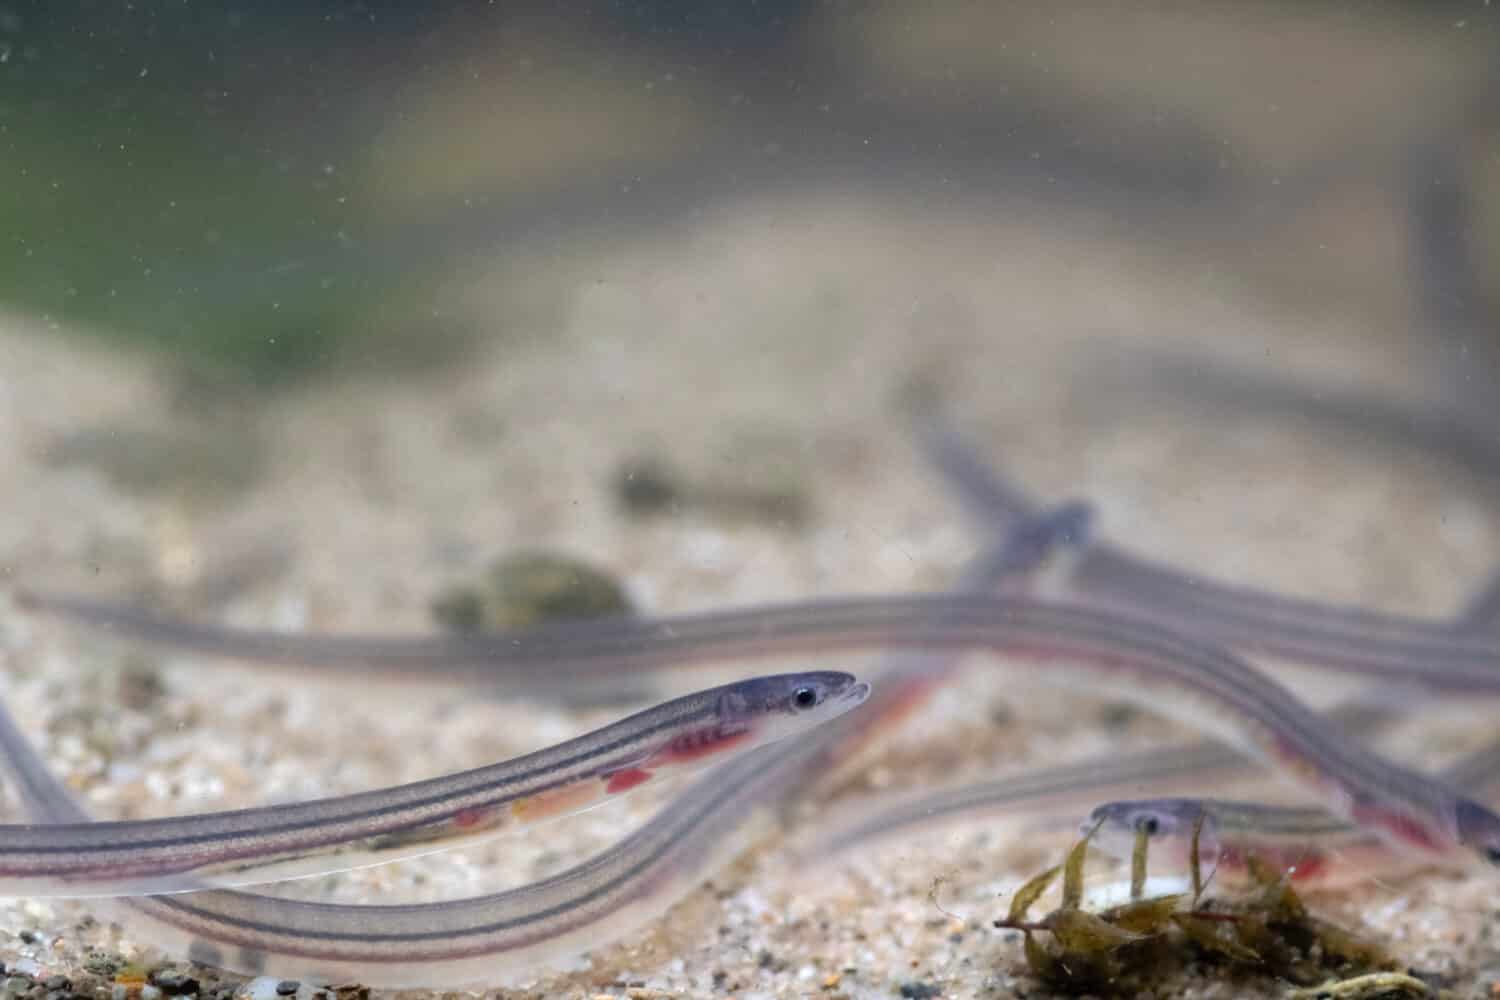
<point>287,987</point>
<point>57,983</point>
<point>646,486</point>
<point>29,937</point>
<point>1118,715</point>
<point>174,983</point>
<point>920,991</point>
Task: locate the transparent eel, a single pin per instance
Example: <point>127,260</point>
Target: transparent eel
<point>1305,842</point>
<point>271,843</point>
<point>613,893</point>
<point>1171,673</point>
<point>1375,644</point>
<point>617,890</point>
<point>1047,791</point>
<point>257,846</point>
<point>450,943</point>
<point>1392,648</point>
<point>1080,784</point>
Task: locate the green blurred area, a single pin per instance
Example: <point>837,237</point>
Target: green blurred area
<point>266,193</point>
<point>166,188</point>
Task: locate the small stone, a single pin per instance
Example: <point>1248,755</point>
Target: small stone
<point>174,983</point>
<point>57,983</point>
<point>645,486</point>
<point>28,937</point>
<point>1117,715</point>
<point>102,964</point>
<point>287,987</point>
<point>920,991</point>
<point>139,685</point>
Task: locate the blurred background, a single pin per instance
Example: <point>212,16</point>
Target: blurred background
<point>1276,208</point>
<point>269,191</point>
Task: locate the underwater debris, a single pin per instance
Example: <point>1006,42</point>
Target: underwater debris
<point>528,588</point>
<point>761,483</point>
<point>1133,946</point>
<point>1375,986</point>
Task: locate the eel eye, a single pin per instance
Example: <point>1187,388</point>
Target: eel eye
<point>1149,825</point>
<point>804,698</point>
<point>1492,853</point>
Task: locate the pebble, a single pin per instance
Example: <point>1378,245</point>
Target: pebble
<point>174,983</point>
<point>102,963</point>
<point>920,991</point>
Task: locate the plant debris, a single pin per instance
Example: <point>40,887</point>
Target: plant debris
<point>1131,947</point>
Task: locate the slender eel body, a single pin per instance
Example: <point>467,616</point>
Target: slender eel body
<point>1393,647</point>
<point>1306,842</point>
<point>466,940</point>
<point>1173,674</point>
<point>249,846</point>
<point>611,894</point>
<point>1046,791</point>
<point>1082,783</point>
<point>454,942</point>
<point>1429,655</point>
